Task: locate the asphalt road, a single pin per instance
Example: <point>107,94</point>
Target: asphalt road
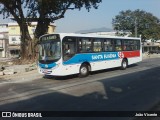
<point>134,89</point>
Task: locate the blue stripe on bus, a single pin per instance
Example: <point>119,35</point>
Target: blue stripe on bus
<point>47,66</point>
<point>94,57</point>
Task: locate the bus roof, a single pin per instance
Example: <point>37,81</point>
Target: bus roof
<point>91,35</point>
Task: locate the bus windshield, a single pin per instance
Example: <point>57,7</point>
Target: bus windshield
<point>49,51</point>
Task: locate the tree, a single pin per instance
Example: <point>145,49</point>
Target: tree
<point>138,22</point>
<point>43,12</point>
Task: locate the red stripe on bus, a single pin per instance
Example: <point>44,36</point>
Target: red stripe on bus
<point>129,54</point>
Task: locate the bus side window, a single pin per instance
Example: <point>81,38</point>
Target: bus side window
<point>97,45</point>
<point>118,45</point>
<point>108,45</point>
<point>136,45</point>
<point>84,45</point>
<point>124,47</point>
<point>69,47</point>
<point>130,45</point>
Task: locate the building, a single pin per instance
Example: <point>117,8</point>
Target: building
<point>3,46</point>
<point>14,36</point>
<point>3,40</point>
<point>149,46</point>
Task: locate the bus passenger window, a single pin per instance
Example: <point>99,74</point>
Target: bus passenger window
<point>108,45</point>
<point>88,49</point>
<point>85,45</point>
<point>130,45</point>
<point>97,45</point>
<point>118,45</point>
<point>136,45</point>
<point>124,47</point>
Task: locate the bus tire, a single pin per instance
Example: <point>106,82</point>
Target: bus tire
<point>84,70</point>
<point>124,64</point>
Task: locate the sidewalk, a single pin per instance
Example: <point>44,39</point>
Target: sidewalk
<point>21,77</point>
<point>6,59</point>
<point>146,56</point>
<point>19,73</point>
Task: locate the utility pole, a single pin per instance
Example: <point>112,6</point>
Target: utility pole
<point>135,27</point>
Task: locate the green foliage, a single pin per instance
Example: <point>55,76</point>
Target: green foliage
<point>148,26</point>
<point>55,9</point>
<point>41,11</point>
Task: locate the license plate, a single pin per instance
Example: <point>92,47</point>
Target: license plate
<point>45,71</point>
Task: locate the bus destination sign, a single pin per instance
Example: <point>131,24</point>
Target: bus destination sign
<point>49,37</point>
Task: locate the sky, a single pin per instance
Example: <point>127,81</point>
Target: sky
<point>76,20</point>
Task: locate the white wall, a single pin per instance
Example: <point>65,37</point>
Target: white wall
<point>3,47</point>
<point>14,40</point>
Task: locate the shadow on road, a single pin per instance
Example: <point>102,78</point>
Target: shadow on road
<point>132,92</point>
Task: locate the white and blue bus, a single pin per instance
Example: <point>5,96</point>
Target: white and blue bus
<point>68,53</point>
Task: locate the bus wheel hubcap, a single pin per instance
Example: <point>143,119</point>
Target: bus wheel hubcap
<point>124,64</point>
<point>83,70</point>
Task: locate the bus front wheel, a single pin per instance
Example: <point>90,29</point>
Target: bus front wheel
<point>84,70</point>
<point>124,64</point>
